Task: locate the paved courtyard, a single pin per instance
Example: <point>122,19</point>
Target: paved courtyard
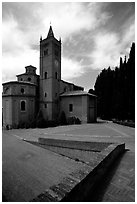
<point>119,185</point>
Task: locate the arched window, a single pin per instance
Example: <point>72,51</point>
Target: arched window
<point>22,90</point>
<point>56,75</point>
<point>56,53</point>
<point>45,52</point>
<point>21,79</point>
<point>23,105</point>
<point>45,94</point>
<point>46,75</point>
<point>70,107</point>
<point>29,79</point>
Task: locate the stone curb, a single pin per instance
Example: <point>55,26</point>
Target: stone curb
<point>72,144</point>
<point>79,184</point>
<point>125,123</point>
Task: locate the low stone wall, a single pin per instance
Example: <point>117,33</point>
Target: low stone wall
<point>81,145</point>
<point>78,185</point>
<point>129,124</point>
<point>87,185</point>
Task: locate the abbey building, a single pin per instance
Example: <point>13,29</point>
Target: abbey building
<point>48,93</point>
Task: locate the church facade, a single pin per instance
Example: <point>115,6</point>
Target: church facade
<point>47,92</point>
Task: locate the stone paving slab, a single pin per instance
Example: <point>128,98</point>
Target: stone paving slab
<point>78,184</point>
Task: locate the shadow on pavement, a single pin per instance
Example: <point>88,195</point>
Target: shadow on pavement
<point>102,186</point>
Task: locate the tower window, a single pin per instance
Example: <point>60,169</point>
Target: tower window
<point>45,105</point>
<point>21,79</point>
<point>23,105</point>
<point>29,79</point>
<point>46,44</point>
<point>70,107</point>
<point>45,94</point>
<point>56,75</point>
<point>22,90</point>
<point>45,52</point>
<point>56,53</point>
<point>46,75</point>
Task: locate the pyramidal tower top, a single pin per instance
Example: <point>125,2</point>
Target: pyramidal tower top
<point>50,33</point>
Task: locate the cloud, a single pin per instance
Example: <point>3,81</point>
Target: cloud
<point>71,69</point>
<point>16,51</point>
<point>72,18</point>
<point>83,28</point>
<point>106,51</point>
<point>27,15</point>
<point>13,40</point>
<point>66,18</point>
<point>16,65</point>
<point>129,35</point>
<point>110,46</point>
<point>23,23</point>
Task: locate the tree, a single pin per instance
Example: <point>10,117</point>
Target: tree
<point>116,90</point>
<point>62,118</point>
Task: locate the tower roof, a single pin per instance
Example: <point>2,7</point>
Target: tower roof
<point>50,33</point>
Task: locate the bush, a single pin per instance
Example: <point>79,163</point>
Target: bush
<point>41,123</point>
<point>23,125</point>
<point>73,120</point>
<point>51,123</point>
<point>62,119</point>
<point>33,124</point>
<point>7,127</point>
<point>77,121</point>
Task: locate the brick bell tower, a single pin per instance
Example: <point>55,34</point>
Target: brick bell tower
<point>50,75</point>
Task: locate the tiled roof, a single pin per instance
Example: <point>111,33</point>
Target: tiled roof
<point>19,82</point>
<point>28,74</point>
<point>77,93</point>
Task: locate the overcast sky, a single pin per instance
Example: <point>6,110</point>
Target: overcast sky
<point>94,36</point>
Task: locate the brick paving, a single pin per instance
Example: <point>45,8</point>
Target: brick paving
<point>118,184</point>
